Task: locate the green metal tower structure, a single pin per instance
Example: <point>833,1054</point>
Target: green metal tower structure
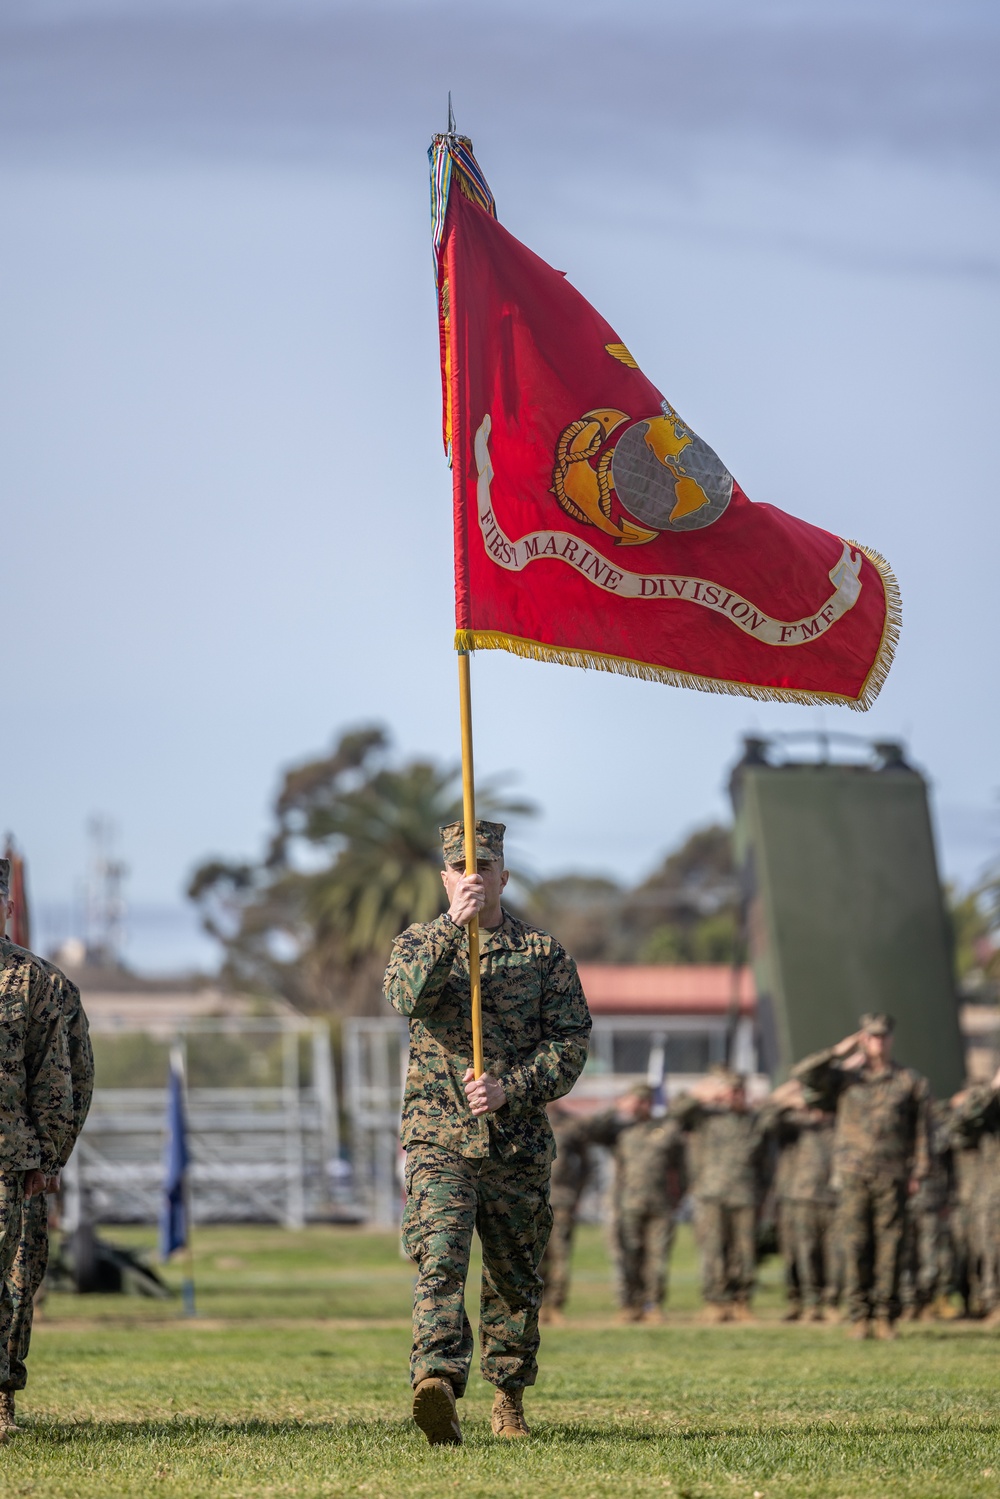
<point>842,901</point>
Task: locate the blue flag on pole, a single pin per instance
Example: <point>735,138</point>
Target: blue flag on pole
<point>173,1213</point>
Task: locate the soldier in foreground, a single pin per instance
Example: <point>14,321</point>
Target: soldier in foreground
<point>36,1108</point>
<point>31,1261</point>
<point>479,1151</point>
<point>725,1159</point>
<point>881,1153</point>
<point>649,1184</point>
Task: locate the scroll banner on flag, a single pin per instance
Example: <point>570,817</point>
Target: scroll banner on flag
<point>593,526</point>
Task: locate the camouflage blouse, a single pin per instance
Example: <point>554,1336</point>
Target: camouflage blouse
<point>36,1085</point>
<point>536,1027</point>
<point>883,1118</point>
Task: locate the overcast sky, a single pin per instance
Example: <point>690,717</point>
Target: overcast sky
<point>226,525</point>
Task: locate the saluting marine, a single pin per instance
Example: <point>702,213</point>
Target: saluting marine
<point>571,1172</point>
<point>977,1117</point>
<point>479,1151</point>
<point>649,1184</point>
<point>726,1165</point>
<point>806,1200</point>
<point>881,1153</point>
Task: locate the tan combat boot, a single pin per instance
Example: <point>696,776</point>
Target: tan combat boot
<point>715,1311</point>
<point>885,1329</point>
<point>436,1413</point>
<point>860,1330</point>
<point>552,1316</point>
<point>7,1419</point>
<point>507,1416</point>
<point>742,1312</point>
<point>629,1314</point>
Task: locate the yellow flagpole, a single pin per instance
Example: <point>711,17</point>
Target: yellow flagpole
<point>469,813</point>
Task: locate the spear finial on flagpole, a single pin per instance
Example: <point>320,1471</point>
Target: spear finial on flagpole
<point>451,116</point>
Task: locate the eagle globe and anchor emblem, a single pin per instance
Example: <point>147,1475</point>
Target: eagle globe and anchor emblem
<point>662,472</point>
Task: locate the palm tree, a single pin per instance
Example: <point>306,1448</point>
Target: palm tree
<point>313,931</point>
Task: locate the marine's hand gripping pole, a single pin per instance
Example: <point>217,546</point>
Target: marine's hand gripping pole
<point>469,815</point>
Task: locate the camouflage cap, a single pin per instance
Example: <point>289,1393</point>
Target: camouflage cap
<point>877,1025</point>
<point>4,877</point>
<point>489,841</point>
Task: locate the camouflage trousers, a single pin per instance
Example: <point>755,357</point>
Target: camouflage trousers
<point>507,1203</point>
<point>555,1265</point>
<point>24,1278</point>
<point>727,1241</point>
<point>985,1239</point>
<point>965,1260</point>
<point>11,1201</point>
<point>923,1274</point>
<point>645,1236</point>
<point>805,1234</point>
<point>870,1223</point>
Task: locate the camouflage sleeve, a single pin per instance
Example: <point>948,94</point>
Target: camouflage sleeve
<point>420,965</point>
<point>555,1065</point>
<point>975,1106</point>
<point>47,1073</point>
<point>819,1071</point>
<point>604,1128</point>
<point>922,1140</point>
<point>780,1120</point>
<point>81,1062</point>
<point>686,1110</point>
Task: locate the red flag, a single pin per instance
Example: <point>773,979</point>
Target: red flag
<point>593,526</point>
<point>19,928</point>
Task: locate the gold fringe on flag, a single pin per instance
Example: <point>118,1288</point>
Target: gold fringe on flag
<point>624,666</point>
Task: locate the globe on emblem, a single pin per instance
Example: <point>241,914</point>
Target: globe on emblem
<point>667,477</point>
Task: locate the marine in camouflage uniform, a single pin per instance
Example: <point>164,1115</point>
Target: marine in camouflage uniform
<point>484,1167</point>
<point>968,1184</point>
<point>803,1132</point>
<point>31,1260</point>
<point>571,1172</point>
<point>977,1116</point>
<point>36,1102</point>
<point>649,1184</point>
<point>726,1163</point>
<point>924,1276</point>
<point>881,1152</point>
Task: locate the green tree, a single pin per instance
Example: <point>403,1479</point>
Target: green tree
<point>974,918</point>
<point>355,857</point>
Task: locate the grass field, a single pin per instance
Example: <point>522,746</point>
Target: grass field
<point>292,1381</point>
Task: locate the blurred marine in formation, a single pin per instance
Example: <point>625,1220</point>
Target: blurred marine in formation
<point>726,1149</point>
<point>572,1171</point>
<point>47,1072</point>
<point>927,1273</point>
<point>649,1184</point>
<point>881,1153</point>
<point>806,1201</point>
<point>479,1151</point>
<point>976,1122</point>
